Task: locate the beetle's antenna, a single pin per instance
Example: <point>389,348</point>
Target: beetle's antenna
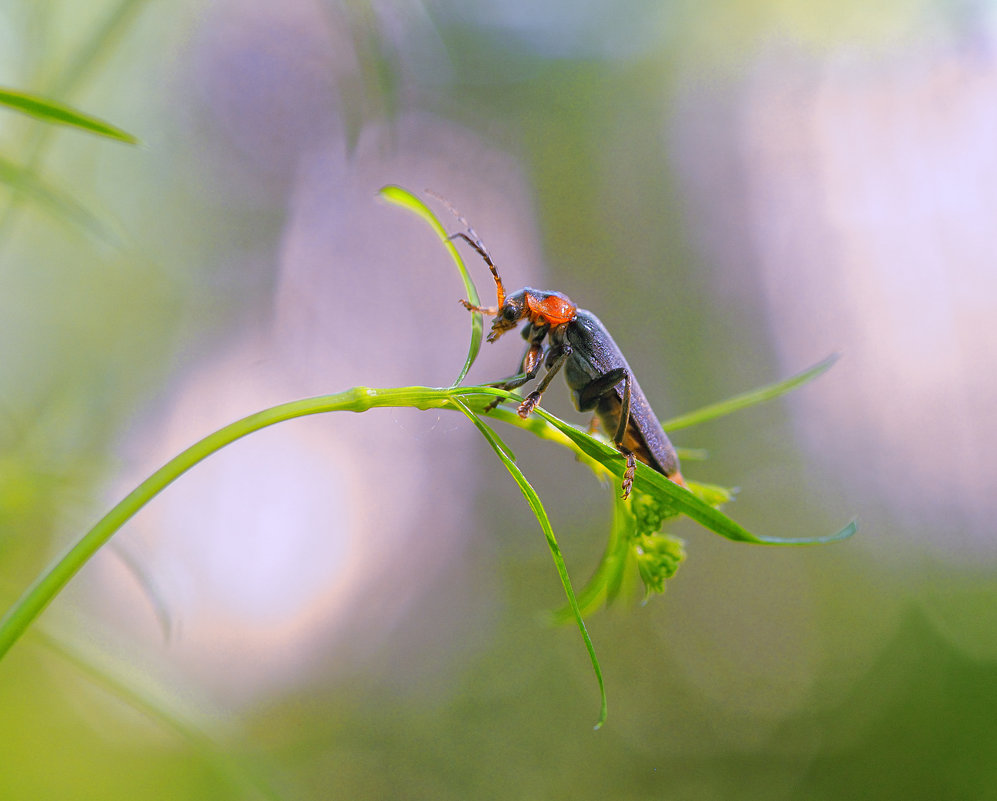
<point>472,238</point>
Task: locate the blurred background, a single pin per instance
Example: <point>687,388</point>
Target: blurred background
<point>351,606</point>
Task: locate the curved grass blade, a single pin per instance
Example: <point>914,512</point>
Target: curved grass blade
<point>534,501</point>
<point>52,580</point>
<point>54,112</point>
<point>359,399</point>
<point>405,199</point>
<point>751,398</point>
<point>160,609</point>
<point>371,90</point>
<point>684,501</point>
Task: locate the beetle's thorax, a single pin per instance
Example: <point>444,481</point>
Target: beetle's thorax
<point>542,308</point>
<point>549,308</point>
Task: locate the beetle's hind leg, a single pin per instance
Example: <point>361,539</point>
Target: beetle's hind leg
<point>589,398</point>
<point>628,474</point>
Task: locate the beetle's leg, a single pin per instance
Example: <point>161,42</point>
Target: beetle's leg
<point>529,365</point>
<point>528,369</point>
<point>488,311</point>
<point>621,430</point>
<point>557,355</point>
<point>589,398</point>
<point>628,474</point>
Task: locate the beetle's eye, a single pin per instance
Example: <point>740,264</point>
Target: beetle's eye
<point>510,314</point>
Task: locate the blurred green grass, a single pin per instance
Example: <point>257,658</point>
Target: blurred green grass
<point>822,674</point>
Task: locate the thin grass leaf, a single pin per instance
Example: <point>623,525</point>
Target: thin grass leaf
<point>692,454</point>
<point>76,71</point>
<point>683,500</point>
<point>608,577</point>
<point>751,398</point>
<point>51,111</point>
<point>58,203</point>
<point>241,772</point>
<point>405,199</point>
<point>593,450</point>
<point>160,609</point>
<point>371,90</point>
<point>96,48</point>
<point>541,514</point>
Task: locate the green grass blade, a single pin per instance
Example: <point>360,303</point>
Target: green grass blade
<point>610,573</point>
<point>751,398</point>
<point>359,399</point>
<point>95,49</point>
<point>541,514</point>
<point>58,203</point>
<point>243,773</point>
<point>51,111</point>
<point>405,199</point>
<point>683,500</point>
<point>546,426</point>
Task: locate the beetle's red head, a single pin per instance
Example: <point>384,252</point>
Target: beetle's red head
<point>539,306</point>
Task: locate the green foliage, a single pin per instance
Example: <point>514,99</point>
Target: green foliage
<point>634,537</point>
<point>56,201</point>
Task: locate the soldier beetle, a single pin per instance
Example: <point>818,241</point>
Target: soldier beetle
<point>594,367</point>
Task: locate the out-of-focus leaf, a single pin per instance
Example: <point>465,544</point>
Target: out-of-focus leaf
<point>55,201</point>
<point>751,398</point>
<point>405,199</point>
<point>54,112</point>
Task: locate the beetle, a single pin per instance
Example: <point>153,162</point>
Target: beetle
<point>594,367</point>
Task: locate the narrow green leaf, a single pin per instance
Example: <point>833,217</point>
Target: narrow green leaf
<point>405,199</point>
<point>95,48</point>
<point>751,398</point>
<point>55,201</point>
<point>683,500</point>
<point>541,514</point>
<point>610,573</point>
<point>245,774</point>
<point>140,572</point>
<point>54,112</point>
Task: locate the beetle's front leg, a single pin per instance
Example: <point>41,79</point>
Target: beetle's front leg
<point>529,365</point>
<point>529,368</point>
<point>557,355</point>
